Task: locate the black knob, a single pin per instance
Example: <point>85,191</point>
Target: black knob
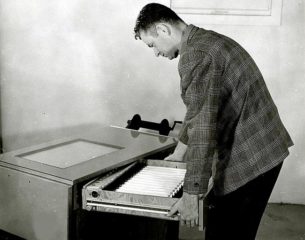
<point>95,194</point>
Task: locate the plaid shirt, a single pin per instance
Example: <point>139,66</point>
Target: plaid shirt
<point>229,112</point>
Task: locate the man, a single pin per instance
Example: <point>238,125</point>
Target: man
<point>230,117</point>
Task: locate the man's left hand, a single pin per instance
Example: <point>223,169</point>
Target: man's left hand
<point>187,206</point>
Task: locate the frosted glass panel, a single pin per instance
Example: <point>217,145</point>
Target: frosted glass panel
<point>231,7</point>
<point>70,154</point>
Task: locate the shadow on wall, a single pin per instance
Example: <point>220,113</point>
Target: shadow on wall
<point>1,144</point>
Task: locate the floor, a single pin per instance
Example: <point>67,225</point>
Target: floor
<point>280,222</point>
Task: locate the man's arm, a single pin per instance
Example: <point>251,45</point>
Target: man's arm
<point>201,98</point>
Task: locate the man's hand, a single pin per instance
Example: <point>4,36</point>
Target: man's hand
<point>174,157</point>
<point>187,206</point>
<point>178,153</point>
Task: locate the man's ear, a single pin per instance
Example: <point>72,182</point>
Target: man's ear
<point>163,29</point>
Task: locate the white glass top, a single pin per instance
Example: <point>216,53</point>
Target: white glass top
<point>69,154</point>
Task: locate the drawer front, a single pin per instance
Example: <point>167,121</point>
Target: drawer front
<point>97,196</point>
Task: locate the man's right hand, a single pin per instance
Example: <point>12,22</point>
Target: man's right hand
<point>178,154</point>
<point>174,157</point>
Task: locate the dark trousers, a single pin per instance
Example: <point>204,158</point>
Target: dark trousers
<point>237,215</point>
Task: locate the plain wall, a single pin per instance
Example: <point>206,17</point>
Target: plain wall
<point>69,64</point>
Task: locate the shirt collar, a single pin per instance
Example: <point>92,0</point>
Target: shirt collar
<point>185,36</point>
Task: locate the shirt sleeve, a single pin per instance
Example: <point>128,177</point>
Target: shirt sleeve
<point>200,96</point>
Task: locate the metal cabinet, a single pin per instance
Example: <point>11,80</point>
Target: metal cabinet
<point>40,186</point>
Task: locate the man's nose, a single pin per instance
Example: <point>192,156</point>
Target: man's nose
<point>157,53</point>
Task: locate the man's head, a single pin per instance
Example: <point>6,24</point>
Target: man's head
<point>161,29</point>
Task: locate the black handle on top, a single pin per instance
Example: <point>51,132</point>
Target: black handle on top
<point>163,127</point>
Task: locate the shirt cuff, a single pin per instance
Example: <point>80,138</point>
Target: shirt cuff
<point>196,185</point>
<point>183,136</point>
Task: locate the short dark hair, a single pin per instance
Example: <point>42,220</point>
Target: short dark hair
<point>153,13</point>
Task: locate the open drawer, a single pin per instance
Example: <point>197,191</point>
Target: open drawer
<point>144,188</point>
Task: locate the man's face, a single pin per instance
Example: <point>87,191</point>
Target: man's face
<point>162,44</point>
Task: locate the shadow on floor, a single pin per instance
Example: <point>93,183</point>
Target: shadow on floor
<point>279,222</point>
